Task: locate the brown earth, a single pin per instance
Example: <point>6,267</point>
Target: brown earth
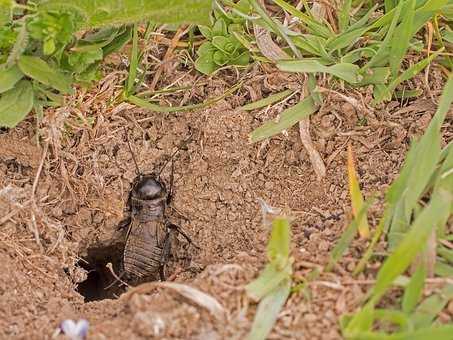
<point>58,224</point>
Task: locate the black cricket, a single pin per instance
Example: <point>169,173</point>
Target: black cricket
<point>150,235</point>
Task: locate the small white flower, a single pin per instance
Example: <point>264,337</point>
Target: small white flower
<point>75,331</point>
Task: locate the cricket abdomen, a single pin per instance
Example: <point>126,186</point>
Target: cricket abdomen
<point>143,252</point>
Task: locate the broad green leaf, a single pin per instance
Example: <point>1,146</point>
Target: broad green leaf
<point>414,290</point>
<point>6,11</point>
<point>347,72</point>
<point>113,13</point>
<point>401,38</point>
<point>9,77</point>
<point>445,253</point>
<point>39,70</point>
<point>268,310</point>
<point>15,104</point>
<point>287,118</point>
<point>356,196</point>
<point>267,101</point>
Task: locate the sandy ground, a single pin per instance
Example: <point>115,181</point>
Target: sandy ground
<point>59,229</point>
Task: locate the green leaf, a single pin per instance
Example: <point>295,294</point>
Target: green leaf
<point>113,13</point>
<point>385,45</point>
<point>268,280</point>
<point>9,77</point>
<point>431,307</point>
<point>287,118</point>
<point>401,38</point>
<point>220,58</point>
<point>242,60</point>
<point>314,26</point>
<point>405,192</point>
<point>158,108</point>
<point>347,72</point>
<point>347,236</point>
<point>15,104</point>
<point>278,246</point>
<point>413,242</point>
<point>414,290</point>
<point>134,61</point>
<point>267,101</point>
<point>413,70</point>
<point>344,15</point>
<point>39,70</point>
<point>118,43</point>
<point>376,75</point>
<point>268,310</point>
<point>205,31</point>
<point>6,11</point>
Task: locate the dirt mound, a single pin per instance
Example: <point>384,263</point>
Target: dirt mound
<point>62,202</point>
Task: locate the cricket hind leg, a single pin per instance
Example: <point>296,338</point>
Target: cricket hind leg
<point>166,247</point>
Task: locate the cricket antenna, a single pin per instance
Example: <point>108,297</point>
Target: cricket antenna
<point>137,169</point>
<point>180,146</point>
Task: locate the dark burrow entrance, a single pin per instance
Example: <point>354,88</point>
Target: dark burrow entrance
<point>101,283</point>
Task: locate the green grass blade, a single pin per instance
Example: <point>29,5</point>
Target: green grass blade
<point>278,246</point>
<point>413,71</point>
<point>344,15</point>
<point>345,39</point>
<point>383,223</point>
<point>287,118</point>
<point>431,307</point>
<point>268,310</point>
<point>414,290</point>
<point>133,67</point>
<point>405,192</point>
<point>275,27</point>
<point>267,101</point>
<point>414,241</point>
<point>394,317</point>
<point>313,26</point>
<point>158,108</point>
<point>401,38</point>
<point>347,236</point>
<point>434,333</point>
<point>384,48</point>
<point>443,269</point>
<point>347,72</point>
<point>267,281</point>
